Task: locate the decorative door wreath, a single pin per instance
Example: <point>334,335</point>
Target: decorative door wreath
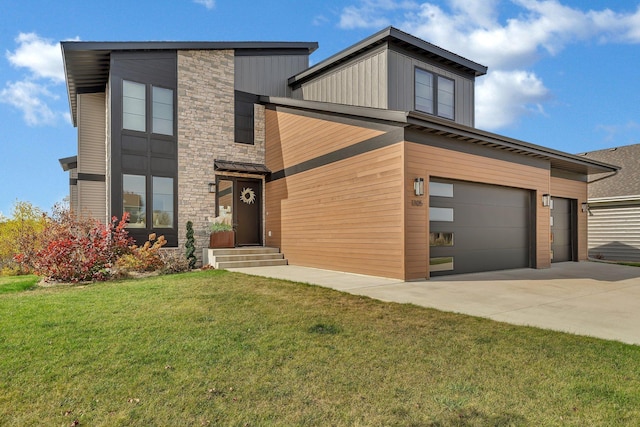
<point>248,196</point>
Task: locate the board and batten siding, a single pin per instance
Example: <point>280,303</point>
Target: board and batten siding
<point>574,189</point>
<point>345,215</point>
<point>267,74</point>
<point>401,86</point>
<point>361,81</point>
<point>91,195</point>
<point>614,231</point>
<point>435,162</point>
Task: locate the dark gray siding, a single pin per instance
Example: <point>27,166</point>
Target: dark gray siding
<point>142,153</point>
<point>361,81</point>
<point>401,86</point>
<point>267,74</point>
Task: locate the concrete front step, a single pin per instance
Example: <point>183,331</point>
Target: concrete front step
<point>251,256</point>
<point>244,250</point>
<point>244,264</point>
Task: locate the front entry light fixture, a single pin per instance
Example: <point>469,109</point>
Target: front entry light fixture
<point>418,186</point>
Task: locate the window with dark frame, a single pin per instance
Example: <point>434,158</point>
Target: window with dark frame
<point>434,94</point>
<point>244,117</point>
<point>148,198</point>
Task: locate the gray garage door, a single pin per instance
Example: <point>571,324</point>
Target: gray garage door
<point>478,227</point>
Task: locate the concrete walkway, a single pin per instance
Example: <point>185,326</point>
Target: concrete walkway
<point>586,298</point>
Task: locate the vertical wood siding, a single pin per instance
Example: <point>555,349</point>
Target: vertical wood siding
<point>363,82</point>
<point>427,161</point>
<point>570,189</point>
<point>346,215</point>
<point>267,75</point>
<point>91,196</point>
<point>402,86</point>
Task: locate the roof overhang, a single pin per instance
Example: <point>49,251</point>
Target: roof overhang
<point>448,129</point>
<point>86,64</point>
<point>240,167</point>
<point>400,38</point>
<point>69,163</point>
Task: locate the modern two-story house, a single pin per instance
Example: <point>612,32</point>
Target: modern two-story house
<point>367,162</point>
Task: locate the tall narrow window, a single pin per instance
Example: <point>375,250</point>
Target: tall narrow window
<point>162,202</point>
<point>133,200</point>
<point>445,97</point>
<point>133,106</point>
<point>424,91</point>
<point>162,111</point>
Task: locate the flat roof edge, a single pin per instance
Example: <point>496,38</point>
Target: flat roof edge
<point>179,45</point>
<point>421,120</point>
<point>399,117</point>
<point>389,33</point>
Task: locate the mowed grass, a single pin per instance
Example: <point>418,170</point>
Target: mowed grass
<point>219,348</point>
<point>17,283</point>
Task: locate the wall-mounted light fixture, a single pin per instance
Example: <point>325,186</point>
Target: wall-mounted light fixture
<point>418,186</point>
<point>212,187</point>
<point>546,200</point>
<point>585,207</point>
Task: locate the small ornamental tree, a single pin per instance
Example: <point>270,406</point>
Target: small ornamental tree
<point>190,246</point>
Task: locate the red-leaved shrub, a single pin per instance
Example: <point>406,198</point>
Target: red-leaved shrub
<point>78,250</point>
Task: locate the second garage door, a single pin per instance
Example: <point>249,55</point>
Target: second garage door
<point>478,227</point>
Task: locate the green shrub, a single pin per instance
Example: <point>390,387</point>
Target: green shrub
<point>190,246</point>
<point>216,227</point>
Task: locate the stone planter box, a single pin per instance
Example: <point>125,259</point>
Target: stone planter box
<point>222,239</point>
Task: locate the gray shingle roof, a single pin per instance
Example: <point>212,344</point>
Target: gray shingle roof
<point>626,182</point>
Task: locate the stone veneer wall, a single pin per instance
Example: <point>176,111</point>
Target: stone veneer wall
<point>205,133</point>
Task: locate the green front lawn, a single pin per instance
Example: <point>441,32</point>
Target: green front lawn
<point>17,283</point>
<point>218,348</point>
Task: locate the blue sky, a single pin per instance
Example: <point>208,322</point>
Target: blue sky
<point>562,73</point>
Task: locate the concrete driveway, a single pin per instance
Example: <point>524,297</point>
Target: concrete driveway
<point>586,298</point>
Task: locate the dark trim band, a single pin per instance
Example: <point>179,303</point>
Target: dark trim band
<point>374,143</point>
<point>73,181</point>
<point>91,177</point>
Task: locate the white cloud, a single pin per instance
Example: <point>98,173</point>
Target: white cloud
<point>502,97</point>
<point>473,29</point>
<point>370,13</point>
<point>41,59</point>
<point>40,56</point>
<point>209,4</point>
<point>319,20</point>
<point>626,132</point>
<point>29,97</point>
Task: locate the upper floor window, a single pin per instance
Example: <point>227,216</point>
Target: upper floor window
<point>434,94</point>
<point>162,111</point>
<point>134,108</point>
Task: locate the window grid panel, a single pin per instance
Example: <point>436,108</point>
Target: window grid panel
<point>162,202</point>
<point>133,106</point>
<point>162,111</point>
<point>134,200</point>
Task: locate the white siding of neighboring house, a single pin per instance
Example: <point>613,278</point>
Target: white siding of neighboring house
<point>614,230</point>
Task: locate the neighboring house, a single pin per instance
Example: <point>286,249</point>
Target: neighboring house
<point>614,205</point>
<point>367,162</point>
